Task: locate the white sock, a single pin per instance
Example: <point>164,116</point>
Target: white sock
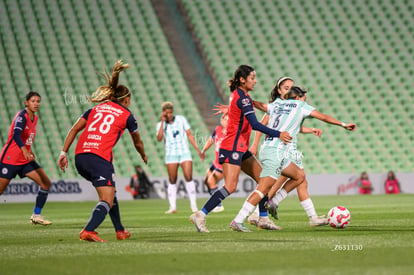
<point>280,196</point>
<point>256,211</point>
<point>190,187</point>
<point>309,208</point>
<point>172,195</point>
<point>244,212</point>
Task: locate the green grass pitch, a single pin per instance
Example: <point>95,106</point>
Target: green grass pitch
<point>379,240</point>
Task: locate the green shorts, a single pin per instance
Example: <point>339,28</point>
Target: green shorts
<point>178,158</point>
<point>273,162</point>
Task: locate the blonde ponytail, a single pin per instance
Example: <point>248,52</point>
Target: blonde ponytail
<point>107,92</point>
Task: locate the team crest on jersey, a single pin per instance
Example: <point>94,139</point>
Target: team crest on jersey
<point>235,156</point>
<point>245,102</point>
<point>4,171</point>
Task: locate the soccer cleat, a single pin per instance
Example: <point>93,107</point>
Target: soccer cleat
<point>253,219</point>
<point>90,236</point>
<point>239,227</point>
<point>318,221</point>
<point>272,209</point>
<point>171,211</point>
<point>199,221</point>
<point>218,209</point>
<point>266,223</point>
<point>37,219</point>
<point>122,235</point>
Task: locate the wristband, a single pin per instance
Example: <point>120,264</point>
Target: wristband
<point>343,124</point>
<point>63,153</point>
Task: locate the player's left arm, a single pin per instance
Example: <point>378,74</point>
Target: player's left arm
<point>193,142</point>
<point>331,120</point>
<point>305,130</point>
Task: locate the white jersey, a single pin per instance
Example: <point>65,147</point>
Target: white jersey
<point>286,115</point>
<point>175,137</point>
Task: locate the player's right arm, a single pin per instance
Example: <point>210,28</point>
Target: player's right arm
<point>19,125</point>
<point>139,145</point>
<point>259,105</point>
<point>160,133</point>
<point>73,132</point>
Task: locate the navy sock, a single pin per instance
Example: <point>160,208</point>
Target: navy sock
<point>212,191</point>
<point>116,216</point>
<point>40,201</point>
<point>98,215</point>
<point>262,208</point>
<point>215,200</point>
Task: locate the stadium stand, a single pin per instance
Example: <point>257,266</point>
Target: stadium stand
<point>355,58</point>
<point>55,47</point>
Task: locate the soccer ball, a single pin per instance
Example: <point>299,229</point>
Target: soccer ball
<point>339,217</point>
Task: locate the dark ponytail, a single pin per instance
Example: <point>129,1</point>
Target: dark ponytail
<point>242,71</point>
<point>294,92</point>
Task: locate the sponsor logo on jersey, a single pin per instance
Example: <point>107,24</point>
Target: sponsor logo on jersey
<point>95,137</point>
<point>91,144</point>
<point>292,105</point>
<point>245,102</point>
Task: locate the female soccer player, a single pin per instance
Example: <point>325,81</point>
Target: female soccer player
<point>233,153</point>
<point>17,157</point>
<point>175,132</point>
<point>215,172</point>
<point>102,127</point>
<point>281,88</point>
<point>276,157</point>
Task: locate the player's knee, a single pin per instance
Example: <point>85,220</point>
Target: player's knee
<point>109,202</point>
<point>301,176</point>
<point>231,189</point>
<point>46,183</point>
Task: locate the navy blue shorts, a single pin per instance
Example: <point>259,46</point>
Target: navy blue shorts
<point>95,169</point>
<point>9,171</point>
<point>214,168</point>
<point>233,157</point>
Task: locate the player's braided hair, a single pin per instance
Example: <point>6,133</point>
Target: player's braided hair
<point>242,71</point>
<point>111,91</point>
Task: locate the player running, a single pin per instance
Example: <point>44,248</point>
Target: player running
<point>278,158</point>
<point>17,157</point>
<point>101,128</point>
<point>282,87</point>
<point>233,153</point>
<point>215,172</point>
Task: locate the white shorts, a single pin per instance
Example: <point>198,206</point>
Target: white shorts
<point>178,158</point>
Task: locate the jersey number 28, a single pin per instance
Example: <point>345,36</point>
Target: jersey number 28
<point>104,126</point>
